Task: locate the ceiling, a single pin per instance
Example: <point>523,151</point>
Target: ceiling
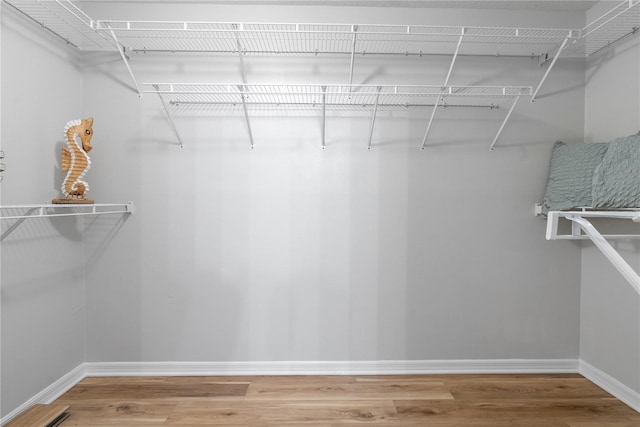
<point>549,5</point>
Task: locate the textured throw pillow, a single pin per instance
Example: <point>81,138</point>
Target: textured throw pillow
<point>571,175</point>
<point>616,181</point>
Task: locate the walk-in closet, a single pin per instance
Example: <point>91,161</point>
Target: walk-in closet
<point>366,203</point>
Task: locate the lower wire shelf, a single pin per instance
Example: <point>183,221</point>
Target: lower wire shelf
<point>59,210</point>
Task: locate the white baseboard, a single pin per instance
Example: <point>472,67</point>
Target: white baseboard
<point>49,394</point>
<point>610,384</point>
<point>389,367</point>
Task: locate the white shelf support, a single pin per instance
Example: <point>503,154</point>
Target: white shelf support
<point>579,222</point>
<point>324,114</point>
<point>240,57</point>
<point>353,53</point>
<point>504,123</point>
<point>126,62</point>
<point>246,114</point>
<point>605,247</point>
<point>373,117</point>
<point>455,56</point>
<point>433,114</point>
<point>546,74</point>
<point>446,82</point>
<point>168,113</point>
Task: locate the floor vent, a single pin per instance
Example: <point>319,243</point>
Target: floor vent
<point>41,416</point>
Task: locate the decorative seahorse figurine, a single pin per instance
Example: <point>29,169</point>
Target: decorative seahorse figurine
<point>76,161</point>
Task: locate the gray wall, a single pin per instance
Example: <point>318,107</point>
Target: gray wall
<point>287,252</point>
<point>284,252</point>
<point>610,309</point>
<point>43,308</point>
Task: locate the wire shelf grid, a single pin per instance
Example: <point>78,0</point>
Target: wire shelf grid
<point>61,210</point>
<point>67,21</point>
<point>334,95</point>
<point>269,38</point>
<point>618,23</point>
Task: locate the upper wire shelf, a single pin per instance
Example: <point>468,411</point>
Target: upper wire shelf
<point>347,39</point>
<point>617,24</point>
<point>68,21</point>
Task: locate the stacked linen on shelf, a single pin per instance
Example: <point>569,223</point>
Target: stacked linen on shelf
<point>594,175</point>
<point>616,180</point>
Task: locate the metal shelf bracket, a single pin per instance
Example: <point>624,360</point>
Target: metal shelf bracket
<point>504,123</point>
<point>246,114</point>
<point>121,51</point>
<point>168,113</point>
<point>546,74</point>
<point>353,53</point>
<point>324,114</point>
<point>373,117</point>
<point>579,222</point>
<point>446,82</point>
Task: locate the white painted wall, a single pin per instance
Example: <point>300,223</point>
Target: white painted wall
<point>0,241</point>
<point>610,309</point>
<point>42,276</point>
<point>287,252</point>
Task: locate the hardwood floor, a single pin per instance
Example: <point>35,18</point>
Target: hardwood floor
<point>324,401</point>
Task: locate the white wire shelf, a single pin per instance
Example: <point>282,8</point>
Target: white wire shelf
<point>67,20</point>
<point>400,96</point>
<point>61,210</point>
<point>348,39</point>
<point>328,96</point>
<point>62,17</point>
<point>617,24</point>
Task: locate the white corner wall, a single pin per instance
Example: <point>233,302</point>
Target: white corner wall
<point>42,277</point>
<point>610,309</point>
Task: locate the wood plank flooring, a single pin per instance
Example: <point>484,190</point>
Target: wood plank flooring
<point>325,401</point>
<point>41,416</point>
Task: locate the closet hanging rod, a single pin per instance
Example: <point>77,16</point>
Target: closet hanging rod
<point>337,89</point>
<point>363,105</point>
<point>317,52</point>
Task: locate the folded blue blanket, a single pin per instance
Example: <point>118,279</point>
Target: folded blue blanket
<point>571,175</point>
<point>616,180</point>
